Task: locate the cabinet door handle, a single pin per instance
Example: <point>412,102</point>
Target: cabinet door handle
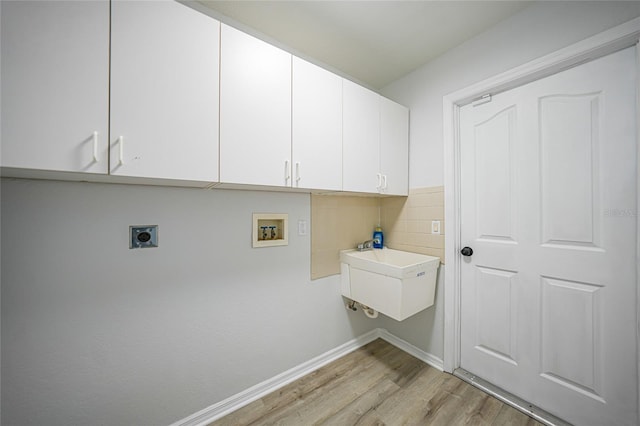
<point>95,147</point>
<point>384,181</point>
<point>121,151</point>
<point>287,172</point>
<point>297,173</point>
<point>379,175</point>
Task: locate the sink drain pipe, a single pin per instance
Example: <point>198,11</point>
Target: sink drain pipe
<point>369,312</point>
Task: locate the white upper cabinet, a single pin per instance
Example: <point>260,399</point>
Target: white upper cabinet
<point>394,148</point>
<point>375,144</point>
<point>155,89</point>
<point>55,85</point>
<point>361,139</point>
<point>164,91</point>
<point>255,111</point>
<point>317,127</point>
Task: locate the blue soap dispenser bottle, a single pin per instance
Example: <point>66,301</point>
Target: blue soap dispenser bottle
<point>378,238</point>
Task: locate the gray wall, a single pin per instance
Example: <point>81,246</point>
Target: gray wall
<point>538,30</point>
<point>95,333</point>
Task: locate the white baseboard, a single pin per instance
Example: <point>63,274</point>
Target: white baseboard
<point>423,356</point>
<point>239,400</point>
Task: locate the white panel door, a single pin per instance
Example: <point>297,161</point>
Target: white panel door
<point>317,127</point>
<point>164,91</point>
<point>548,207</point>
<point>394,148</point>
<point>255,111</point>
<point>55,85</point>
<point>361,139</point>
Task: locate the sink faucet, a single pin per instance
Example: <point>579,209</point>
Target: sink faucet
<point>367,245</point>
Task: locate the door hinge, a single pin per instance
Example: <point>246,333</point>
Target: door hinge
<point>482,100</point>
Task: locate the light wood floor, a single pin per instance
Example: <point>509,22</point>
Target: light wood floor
<point>377,384</point>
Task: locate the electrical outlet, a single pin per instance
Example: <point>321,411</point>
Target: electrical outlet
<point>435,227</point>
<point>143,236</point>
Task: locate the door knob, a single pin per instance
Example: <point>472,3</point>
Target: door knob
<point>467,251</point>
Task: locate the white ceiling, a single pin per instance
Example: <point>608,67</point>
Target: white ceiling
<point>375,42</point>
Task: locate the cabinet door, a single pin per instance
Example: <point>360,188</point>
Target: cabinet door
<point>55,85</point>
<point>394,147</point>
<point>255,111</point>
<point>317,127</point>
<point>164,91</point>
<point>361,139</point>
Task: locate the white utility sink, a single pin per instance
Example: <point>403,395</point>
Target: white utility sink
<point>393,282</point>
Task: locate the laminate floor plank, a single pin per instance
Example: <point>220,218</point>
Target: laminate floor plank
<point>377,385</point>
<point>343,390</point>
<point>462,406</point>
<point>508,416</point>
<point>413,401</point>
<point>352,413</point>
<point>441,408</point>
<point>482,409</point>
<point>302,391</point>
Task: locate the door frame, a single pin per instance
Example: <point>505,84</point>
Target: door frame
<point>609,41</point>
